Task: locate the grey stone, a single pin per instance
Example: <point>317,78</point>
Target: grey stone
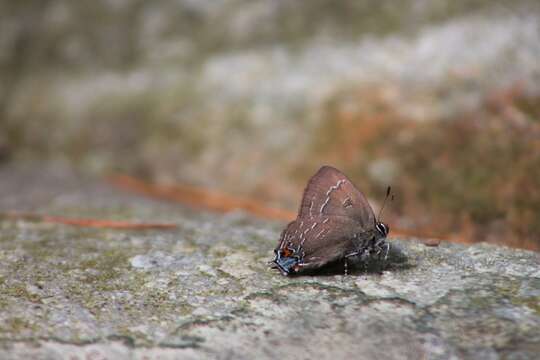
<point>205,291</point>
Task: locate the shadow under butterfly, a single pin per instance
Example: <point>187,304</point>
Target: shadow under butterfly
<point>335,225</point>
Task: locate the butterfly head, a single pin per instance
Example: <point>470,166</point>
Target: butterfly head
<point>383,229</point>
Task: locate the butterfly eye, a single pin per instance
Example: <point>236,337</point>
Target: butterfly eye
<point>383,229</point>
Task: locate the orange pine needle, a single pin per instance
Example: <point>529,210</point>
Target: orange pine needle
<point>216,201</point>
<point>201,198</point>
<point>89,223</point>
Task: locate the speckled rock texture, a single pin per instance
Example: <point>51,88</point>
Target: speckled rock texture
<point>205,291</point>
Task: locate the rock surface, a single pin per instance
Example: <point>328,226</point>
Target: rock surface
<point>205,290</point>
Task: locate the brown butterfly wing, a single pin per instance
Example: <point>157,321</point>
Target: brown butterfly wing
<point>330,193</point>
<point>323,240</point>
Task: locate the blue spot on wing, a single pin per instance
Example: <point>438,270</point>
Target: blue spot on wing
<point>285,264</point>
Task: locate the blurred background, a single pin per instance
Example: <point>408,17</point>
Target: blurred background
<point>438,98</point>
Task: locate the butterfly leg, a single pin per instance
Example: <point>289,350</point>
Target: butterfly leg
<point>380,245</point>
<point>387,245</point>
<point>383,247</point>
<point>310,265</point>
<point>346,260</point>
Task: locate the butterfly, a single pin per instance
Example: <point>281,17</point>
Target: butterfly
<point>335,222</point>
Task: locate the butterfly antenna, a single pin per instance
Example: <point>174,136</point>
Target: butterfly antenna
<point>388,190</point>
